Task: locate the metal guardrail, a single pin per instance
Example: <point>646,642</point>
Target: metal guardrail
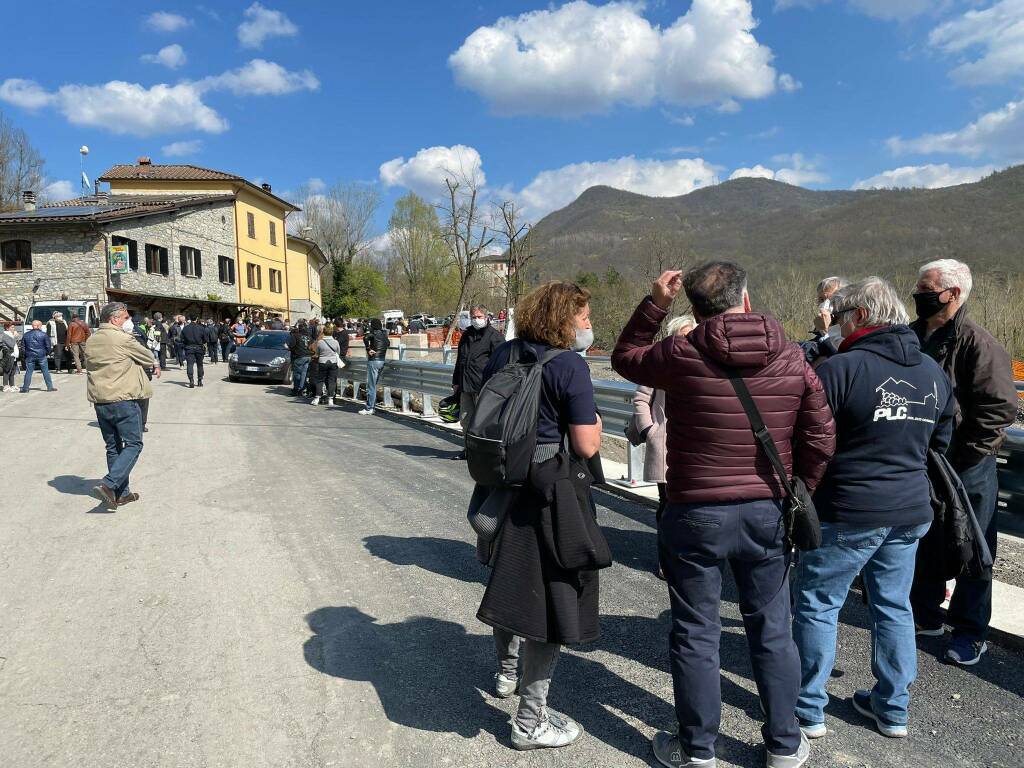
<point>615,401</point>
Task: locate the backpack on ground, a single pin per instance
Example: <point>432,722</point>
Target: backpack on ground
<point>502,434</point>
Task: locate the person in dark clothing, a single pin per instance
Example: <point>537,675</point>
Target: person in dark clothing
<point>986,404</point>
<point>224,338</point>
<point>298,345</point>
<point>277,324</point>
<point>212,340</point>
<point>141,334</point>
<point>162,338</point>
<point>57,329</point>
<point>344,340</point>
<point>476,346</point>
<point>174,337</point>
<point>533,605</point>
<point>35,348</point>
<point>825,339</point>
<point>891,404</point>
<point>377,344</point>
<point>194,337</point>
<point>725,502</point>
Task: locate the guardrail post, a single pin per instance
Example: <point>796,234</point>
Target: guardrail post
<point>428,406</point>
<point>388,401</point>
<point>446,353</point>
<point>635,463</point>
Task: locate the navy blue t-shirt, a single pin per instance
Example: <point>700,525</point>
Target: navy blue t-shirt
<point>567,395</point>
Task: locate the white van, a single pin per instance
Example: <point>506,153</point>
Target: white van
<point>70,308</point>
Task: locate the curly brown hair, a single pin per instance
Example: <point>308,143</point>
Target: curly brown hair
<point>547,313</point>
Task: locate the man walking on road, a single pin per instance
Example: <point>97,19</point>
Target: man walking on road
<point>57,329</point>
<point>194,337</point>
<point>78,334</point>
<point>986,404</point>
<point>725,502</point>
<point>36,345</point>
<point>475,348</point>
<point>117,384</point>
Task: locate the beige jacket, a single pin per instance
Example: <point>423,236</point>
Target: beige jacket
<point>114,361</point>
<point>649,407</point>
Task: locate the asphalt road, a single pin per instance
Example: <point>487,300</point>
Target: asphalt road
<point>298,587</point>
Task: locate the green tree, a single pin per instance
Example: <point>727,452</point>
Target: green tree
<point>357,290</point>
<point>421,273</point>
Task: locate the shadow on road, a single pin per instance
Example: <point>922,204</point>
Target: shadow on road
<point>73,485</point>
<point>445,557</point>
<point>424,451</point>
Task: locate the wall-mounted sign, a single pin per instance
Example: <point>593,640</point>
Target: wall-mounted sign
<point>118,259</point>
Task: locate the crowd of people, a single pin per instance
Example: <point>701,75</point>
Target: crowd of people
<point>855,416</point>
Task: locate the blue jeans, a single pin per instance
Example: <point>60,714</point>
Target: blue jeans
<point>823,578</point>
<point>373,369</point>
<point>121,427</point>
<point>300,367</point>
<point>30,364</point>
<point>970,609</point>
<point>694,542</point>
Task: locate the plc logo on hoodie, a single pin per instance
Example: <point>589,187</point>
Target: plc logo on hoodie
<point>901,401</point>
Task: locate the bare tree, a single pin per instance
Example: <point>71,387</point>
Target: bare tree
<point>21,165</point>
<point>466,233</point>
<point>338,219</point>
<point>515,233</point>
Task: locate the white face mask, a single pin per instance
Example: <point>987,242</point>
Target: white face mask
<point>479,322</point>
<point>825,306</point>
<point>584,339</point>
<point>835,333</point>
<point>128,326</point>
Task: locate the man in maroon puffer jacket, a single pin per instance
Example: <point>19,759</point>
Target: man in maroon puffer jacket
<point>724,500</point>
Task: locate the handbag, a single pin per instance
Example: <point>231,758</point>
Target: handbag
<point>803,529</point>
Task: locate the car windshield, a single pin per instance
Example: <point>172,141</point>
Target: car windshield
<point>268,341</point>
<point>45,313</point>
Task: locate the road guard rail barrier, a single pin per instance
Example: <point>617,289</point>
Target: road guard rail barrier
<point>615,402</point>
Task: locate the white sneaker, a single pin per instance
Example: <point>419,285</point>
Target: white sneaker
<point>366,412</point>
<point>505,685</point>
<point>315,401</point>
<point>551,733</point>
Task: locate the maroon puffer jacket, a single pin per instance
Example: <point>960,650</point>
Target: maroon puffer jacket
<point>712,455</point>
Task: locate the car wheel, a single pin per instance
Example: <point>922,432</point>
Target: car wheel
<point>232,377</point>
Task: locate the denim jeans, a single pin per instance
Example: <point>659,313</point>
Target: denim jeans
<point>373,370</point>
<point>695,541</point>
<point>970,608</point>
<point>300,367</point>
<point>121,427</point>
<point>886,556</point>
<point>31,363</point>
<point>539,661</point>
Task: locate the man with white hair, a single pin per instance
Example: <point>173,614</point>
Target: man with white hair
<point>986,404</point>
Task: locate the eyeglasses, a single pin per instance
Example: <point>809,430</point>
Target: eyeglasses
<point>837,315</point>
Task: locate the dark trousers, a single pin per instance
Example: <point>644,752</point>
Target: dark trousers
<point>162,356</point>
<point>695,541</point>
<point>179,353</point>
<point>224,344</point>
<point>58,357</point>
<point>121,427</point>
<point>970,609</point>
<point>194,357</point>
<point>328,375</point>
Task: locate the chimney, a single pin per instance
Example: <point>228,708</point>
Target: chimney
<point>266,187</point>
<point>102,197</point>
<point>145,160</point>
<point>28,198</point>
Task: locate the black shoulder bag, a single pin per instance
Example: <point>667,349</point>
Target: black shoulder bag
<point>803,529</point>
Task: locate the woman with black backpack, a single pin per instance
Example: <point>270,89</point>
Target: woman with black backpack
<point>540,596</point>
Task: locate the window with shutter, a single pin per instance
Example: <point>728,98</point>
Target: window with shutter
<point>251,221</point>
<point>226,270</point>
<point>191,261</point>
<point>16,255</point>
<point>156,260</point>
<point>275,280</point>
<point>273,233</point>
<point>165,265</point>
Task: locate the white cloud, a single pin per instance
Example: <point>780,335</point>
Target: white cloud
<point>797,170</point>
<point>581,58</point>
<point>684,120</point>
<point>889,10</point>
<point>425,172</point>
<point>554,189</point>
<point>925,177</point>
<point>788,83</point>
<point>57,190</point>
<point>998,31</point>
<point>261,23</point>
<point>27,94</point>
<point>261,78</point>
<point>729,107</point>
<point>182,148</point>
<point>997,134</point>
<point>315,185</point>
<point>162,21</point>
<point>171,56</point>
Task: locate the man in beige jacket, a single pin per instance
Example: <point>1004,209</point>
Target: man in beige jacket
<point>116,366</point>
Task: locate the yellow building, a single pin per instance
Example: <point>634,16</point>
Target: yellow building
<point>305,264</point>
<point>261,240</point>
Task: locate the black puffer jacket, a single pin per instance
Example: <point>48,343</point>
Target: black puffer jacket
<point>298,343</point>
<point>378,342</point>
<point>475,348</point>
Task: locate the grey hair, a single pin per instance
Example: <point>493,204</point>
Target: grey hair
<point>835,283</point>
<point>875,295</point>
<point>475,307</point>
<point>109,310</point>
<point>952,274</point>
<point>676,324</point>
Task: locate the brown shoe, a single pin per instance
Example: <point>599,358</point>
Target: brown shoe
<point>104,494</point>
<point>128,498</point>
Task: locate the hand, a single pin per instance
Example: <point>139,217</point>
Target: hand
<point>666,288</point>
<point>156,372</point>
<point>371,353</point>
<point>823,320</point>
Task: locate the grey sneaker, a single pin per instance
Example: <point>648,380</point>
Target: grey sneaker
<point>669,752</point>
<point>812,730</point>
<point>315,401</point>
<point>862,703</point>
<point>803,754</point>
<point>551,733</point>
<point>505,685</point>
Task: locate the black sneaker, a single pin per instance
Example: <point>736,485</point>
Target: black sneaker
<point>965,652</point>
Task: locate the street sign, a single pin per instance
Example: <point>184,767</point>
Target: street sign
<point>118,259</point>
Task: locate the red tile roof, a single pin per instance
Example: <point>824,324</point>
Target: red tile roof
<point>167,173</point>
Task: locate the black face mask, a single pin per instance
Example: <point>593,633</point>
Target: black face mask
<point>928,303</point>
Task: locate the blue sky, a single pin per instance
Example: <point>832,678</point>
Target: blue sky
<point>538,101</point>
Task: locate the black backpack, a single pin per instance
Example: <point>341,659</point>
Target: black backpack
<point>502,434</point>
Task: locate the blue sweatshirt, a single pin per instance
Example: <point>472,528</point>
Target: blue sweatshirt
<point>891,403</point>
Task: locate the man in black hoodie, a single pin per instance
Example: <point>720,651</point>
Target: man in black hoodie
<point>194,337</point>
<point>891,404</point>
<point>477,344</point>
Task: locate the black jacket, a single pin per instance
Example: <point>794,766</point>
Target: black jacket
<point>194,335</point>
<point>378,342</point>
<point>341,336</point>
<point>224,331</point>
<point>475,349</point>
<point>986,399</point>
<point>298,344</point>
<point>162,333</point>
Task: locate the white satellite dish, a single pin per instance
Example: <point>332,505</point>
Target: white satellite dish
<point>83,150</point>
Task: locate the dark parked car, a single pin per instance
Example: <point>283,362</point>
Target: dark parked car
<point>264,356</point>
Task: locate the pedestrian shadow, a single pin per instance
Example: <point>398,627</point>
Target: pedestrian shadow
<point>73,485</point>
<point>177,383</point>
<point>424,451</point>
<point>446,557</point>
<point>422,668</point>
